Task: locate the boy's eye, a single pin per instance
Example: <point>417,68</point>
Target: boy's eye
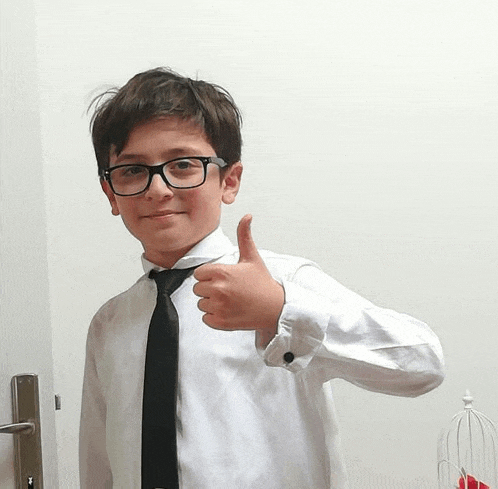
<point>187,165</point>
<point>182,165</point>
<point>131,171</point>
<point>136,170</point>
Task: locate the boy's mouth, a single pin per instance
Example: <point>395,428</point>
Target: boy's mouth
<point>162,214</point>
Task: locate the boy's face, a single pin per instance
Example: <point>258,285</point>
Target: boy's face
<point>168,221</point>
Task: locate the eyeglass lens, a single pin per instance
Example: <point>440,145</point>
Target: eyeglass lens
<point>133,179</point>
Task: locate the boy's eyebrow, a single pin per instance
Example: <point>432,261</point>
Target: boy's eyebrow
<point>129,156</point>
<point>165,156</point>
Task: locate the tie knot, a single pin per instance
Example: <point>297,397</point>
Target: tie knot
<point>169,280</point>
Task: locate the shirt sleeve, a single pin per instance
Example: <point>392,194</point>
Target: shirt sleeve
<point>95,471</point>
<point>332,331</point>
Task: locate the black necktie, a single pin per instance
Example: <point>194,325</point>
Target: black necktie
<point>159,455</point>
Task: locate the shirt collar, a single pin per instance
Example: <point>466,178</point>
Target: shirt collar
<point>213,246</point>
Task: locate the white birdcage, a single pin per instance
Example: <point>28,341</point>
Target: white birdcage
<point>468,451</point>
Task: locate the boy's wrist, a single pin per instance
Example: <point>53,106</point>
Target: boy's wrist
<point>265,336</point>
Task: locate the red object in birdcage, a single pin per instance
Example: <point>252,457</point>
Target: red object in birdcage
<point>470,482</point>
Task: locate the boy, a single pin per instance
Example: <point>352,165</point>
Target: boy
<point>259,334</point>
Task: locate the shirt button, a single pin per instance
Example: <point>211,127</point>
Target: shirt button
<point>288,357</point>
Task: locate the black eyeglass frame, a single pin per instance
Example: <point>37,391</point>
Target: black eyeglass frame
<point>158,170</point>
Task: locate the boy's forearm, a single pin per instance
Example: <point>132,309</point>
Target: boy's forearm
<point>332,330</point>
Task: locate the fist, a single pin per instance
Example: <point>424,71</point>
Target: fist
<point>243,296</point>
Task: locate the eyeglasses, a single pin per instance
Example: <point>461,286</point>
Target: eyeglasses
<point>186,172</point>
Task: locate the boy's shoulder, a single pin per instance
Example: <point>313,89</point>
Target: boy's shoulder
<point>277,262</point>
<point>129,300</point>
<point>284,259</point>
<point>283,266</point>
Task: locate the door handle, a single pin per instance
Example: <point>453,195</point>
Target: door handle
<point>18,428</point>
<point>26,430</point>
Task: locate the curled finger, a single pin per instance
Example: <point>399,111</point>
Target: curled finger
<point>203,305</point>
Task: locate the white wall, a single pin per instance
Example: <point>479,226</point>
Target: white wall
<point>370,146</point>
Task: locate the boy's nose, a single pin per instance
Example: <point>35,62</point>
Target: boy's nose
<point>158,188</point>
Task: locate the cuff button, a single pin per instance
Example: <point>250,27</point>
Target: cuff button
<point>288,357</point>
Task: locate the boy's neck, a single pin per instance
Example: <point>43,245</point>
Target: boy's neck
<point>168,258</point>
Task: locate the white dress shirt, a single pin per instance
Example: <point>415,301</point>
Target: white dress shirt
<point>247,418</point>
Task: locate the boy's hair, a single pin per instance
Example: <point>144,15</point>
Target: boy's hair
<point>162,92</point>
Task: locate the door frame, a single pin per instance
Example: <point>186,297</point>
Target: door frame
<point>25,330</point>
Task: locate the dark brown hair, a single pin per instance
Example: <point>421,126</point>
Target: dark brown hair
<point>162,92</point>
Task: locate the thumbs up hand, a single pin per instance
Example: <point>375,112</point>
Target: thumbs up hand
<point>243,296</point>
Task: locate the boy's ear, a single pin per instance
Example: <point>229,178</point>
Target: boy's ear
<point>231,182</point>
<point>110,195</point>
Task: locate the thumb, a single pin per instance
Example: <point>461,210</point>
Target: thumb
<point>247,247</point>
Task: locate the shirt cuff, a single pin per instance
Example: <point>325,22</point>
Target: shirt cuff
<point>301,330</point>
